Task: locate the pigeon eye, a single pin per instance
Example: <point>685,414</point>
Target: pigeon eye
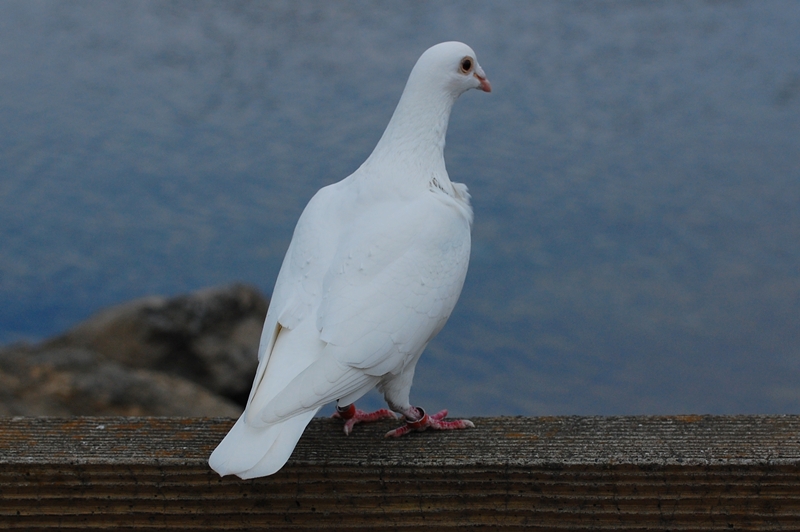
<point>466,65</point>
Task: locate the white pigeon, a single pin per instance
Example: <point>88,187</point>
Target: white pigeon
<point>375,267</point>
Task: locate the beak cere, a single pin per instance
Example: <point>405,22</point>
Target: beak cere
<point>485,85</point>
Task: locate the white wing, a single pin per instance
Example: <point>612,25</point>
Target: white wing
<point>393,282</point>
<point>297,293</point>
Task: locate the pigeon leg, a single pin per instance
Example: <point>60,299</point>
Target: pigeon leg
<point>423,421</point>
<point>351,415</point>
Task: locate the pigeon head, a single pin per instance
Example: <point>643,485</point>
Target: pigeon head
<point>451,66</point>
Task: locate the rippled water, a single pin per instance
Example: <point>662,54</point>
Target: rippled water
<point>635,176</point>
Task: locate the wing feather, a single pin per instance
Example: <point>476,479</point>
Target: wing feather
<point>289,342</point>
<point>378,284</point>
<point>394,283</point>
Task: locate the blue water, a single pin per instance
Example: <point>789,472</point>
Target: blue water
<point>635,176</point>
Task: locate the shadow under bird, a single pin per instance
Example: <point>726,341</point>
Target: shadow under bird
<point>374,269</point>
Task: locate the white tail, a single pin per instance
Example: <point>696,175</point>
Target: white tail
<point>250,452</point>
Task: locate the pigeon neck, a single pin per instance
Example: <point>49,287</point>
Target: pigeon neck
<point>413,143</point>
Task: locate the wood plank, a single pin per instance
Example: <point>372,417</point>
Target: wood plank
<point>556,473</point>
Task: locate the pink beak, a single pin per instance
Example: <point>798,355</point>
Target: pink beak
<point>485,85</point>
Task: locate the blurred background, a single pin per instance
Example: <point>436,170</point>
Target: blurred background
<point>635,176</point>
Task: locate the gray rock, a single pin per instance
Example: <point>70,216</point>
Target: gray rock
<point>191,355</point>
<point>75,381</point>
<point>209,337</point>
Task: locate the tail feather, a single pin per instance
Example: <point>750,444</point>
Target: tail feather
<point>250,452</point>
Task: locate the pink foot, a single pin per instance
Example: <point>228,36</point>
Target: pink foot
<point>351,415</point>
<point>433,422</point>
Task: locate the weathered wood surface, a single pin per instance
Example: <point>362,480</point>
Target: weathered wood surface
<point>558,473</point>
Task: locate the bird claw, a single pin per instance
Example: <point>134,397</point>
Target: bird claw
<point>435,421</point>
<point>351,415</point>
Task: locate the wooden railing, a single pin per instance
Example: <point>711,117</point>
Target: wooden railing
<point>557,473</point>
